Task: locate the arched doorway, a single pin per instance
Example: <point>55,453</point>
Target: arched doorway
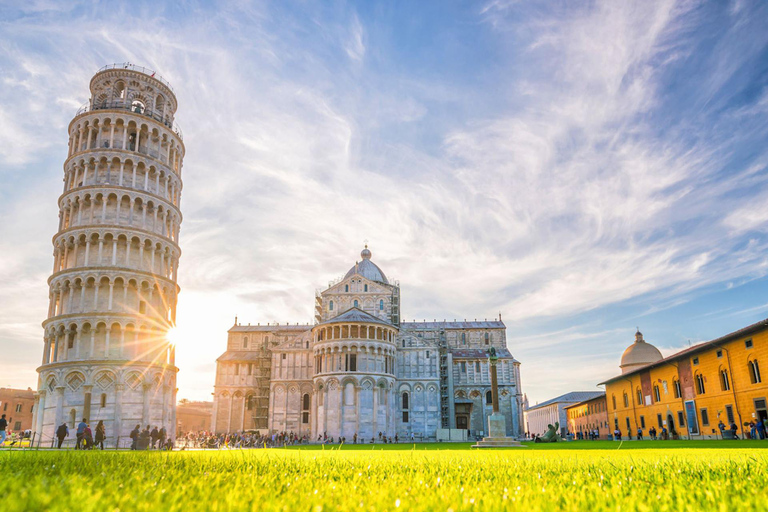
<point>671,426</point>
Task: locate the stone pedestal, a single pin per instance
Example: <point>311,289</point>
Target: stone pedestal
<point>497,425</point>
<point>497,434</point>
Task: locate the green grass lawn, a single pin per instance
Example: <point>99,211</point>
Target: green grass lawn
<point>575,445</point>
<point>644,476</point>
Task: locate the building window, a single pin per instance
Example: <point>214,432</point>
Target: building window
<point>103,399</point>
<point>487,338</point>
<point>405,416</point>
<point>719,354</point>
<point>405,400</point>
<point>356,303</point>
<point>613,398</point>
<point>18,407</point>
<point>656,394</point>
<point>626,400</point>
<point>305,409</point>
<point>659,420</point>
<point>695,360</point>
<point>17,425</point>
<point>680,419</point>
<point>639,397</point>
<point>748,343</point>
<point>488,398</point>
<point>350,362</point>
<point>725,384</point>
<point>245,342</point>
<point>346,288</point>
<point>365,288</point>
<point>704,418</point>
<point>284,355</point>
<point>642,421</point>
<point>629,426</point>
<point>463,367</point>
<point>477,366</point>
<point>678,391</point>
<point>700,384</point>
<point>330,306</point>
<point>381,305</point>
<point>729,414</point>
<point>427,354</point>
<point>754,372</point>
<point>249,403</point>
<point>464,338</point>
<point>250,368</point>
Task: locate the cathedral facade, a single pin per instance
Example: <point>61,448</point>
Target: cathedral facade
<point>358,369</point>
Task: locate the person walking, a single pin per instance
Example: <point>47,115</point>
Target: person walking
<point>87,438</point>
<point>3,426</point>
<point>101,433</point>
<point>61,433</point>
<point>639,434</point>
<point>135,436</point>
<point>161,436</point>
<point>80,433</point>
<point>154,435</point>
<point>761,429</point>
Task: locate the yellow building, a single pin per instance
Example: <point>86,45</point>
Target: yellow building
<point>692,391</point>
<point>589,417</point>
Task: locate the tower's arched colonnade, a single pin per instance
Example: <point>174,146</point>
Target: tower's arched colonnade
<point>113,291</point>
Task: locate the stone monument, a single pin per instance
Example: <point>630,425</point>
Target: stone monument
<point>497,423</point>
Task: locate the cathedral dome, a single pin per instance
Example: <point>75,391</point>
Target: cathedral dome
<point>367,268</point>
<point>639,354</point>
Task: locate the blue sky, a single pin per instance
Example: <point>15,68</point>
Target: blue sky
<point>583,168</point>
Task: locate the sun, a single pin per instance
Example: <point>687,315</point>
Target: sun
<point>173,336</point>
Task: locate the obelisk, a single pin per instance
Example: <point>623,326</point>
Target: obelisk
<point>497,423</point>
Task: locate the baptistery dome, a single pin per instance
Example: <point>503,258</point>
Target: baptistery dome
<point>639,354</point>
<point>367,268</point>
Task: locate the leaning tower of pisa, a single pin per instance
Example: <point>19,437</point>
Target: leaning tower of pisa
<point>113,288</point>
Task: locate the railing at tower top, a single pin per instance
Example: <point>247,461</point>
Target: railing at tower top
<point>150,72</point>
<point>119,105</point>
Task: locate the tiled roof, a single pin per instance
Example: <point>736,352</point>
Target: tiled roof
<point>355,315</point>
<point>241,355</point>
<point>573,397</point>
<point>485,324</point>
<point>478,353</point>
<point>746,331</point>
<point>271,328</point>
<point>601,395</point>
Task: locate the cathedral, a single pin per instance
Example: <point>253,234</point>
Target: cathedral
<point>358,369</point>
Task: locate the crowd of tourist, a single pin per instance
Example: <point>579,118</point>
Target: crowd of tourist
<point>204,439</point>
<point>754,429</point>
